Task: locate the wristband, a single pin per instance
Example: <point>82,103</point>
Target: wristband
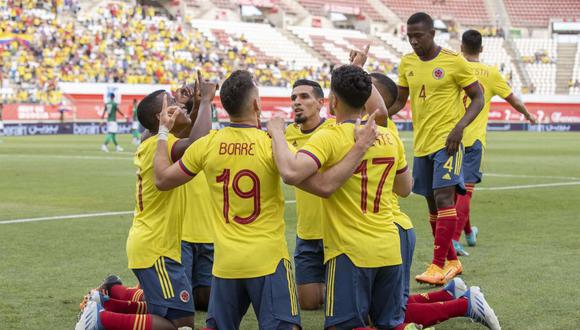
<point>163,133</point>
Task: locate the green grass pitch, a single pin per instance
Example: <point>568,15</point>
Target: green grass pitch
<point>526,260</point>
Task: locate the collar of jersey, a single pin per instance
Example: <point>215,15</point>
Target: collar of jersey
<point>315,127</point>
<point>234,125</point>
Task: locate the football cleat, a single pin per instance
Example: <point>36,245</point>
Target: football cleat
<point>472,238</point>
<point>118,148</point>
<point>89,319</point>
<point>96,296</point>
<point>452,268</point>
<point>433,275</point>
<point>104,148</point>
<point>108,283</point>
<point>456,287</point>
<point>479,310</point>
<point>459,249</point>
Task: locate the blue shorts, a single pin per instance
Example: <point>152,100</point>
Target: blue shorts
<point>309,261</point>
<point>472,163</point>
<point>438,170</point>
<point>273,297</point>
<point>408,239</point>
<point>166,289</point>
<point>197,259</point>
<point>354,294</point>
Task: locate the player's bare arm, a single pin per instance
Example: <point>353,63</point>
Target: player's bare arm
<point>399,104</point>
<point>519,105</point>
<point>475,93</point>
<point>167,175</point>
<point>375,101</point>
<point>403,183</point>
<point>324,184</point>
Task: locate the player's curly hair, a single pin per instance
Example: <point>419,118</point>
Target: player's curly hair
<point>149,106</point>
<point>352,85</point>
<point>236,90</point>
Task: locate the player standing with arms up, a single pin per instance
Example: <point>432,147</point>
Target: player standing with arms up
<point>307,101</point>
<point>111,109</point>
<point>492,83</point>
<point>434,78</point>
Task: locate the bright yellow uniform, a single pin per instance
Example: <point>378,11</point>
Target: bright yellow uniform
<point>492,83</point>
<point>358,218</point>
<point>156,228</point>
<point>246,190</point>
<point>199,216</point>
<point>401,218</point>
<point>435,88</point>
<point>308,206</point>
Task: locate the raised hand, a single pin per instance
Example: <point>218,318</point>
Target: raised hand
<point>184,94</point>
<point>206,89</point>
<point>166,117</point>
<point>531,118</point>
<point>359,58</point>
<point>366,135</point>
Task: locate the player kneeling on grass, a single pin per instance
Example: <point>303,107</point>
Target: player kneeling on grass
<point>251,264</point>
<point>361,242</point>
<point>153,245</point>
<point>455,299</point>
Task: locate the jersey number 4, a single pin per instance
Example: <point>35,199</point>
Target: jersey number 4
<point>362,169</point>
<point>253,193</point>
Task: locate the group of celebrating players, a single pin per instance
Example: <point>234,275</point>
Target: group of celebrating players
<point>199,188</point>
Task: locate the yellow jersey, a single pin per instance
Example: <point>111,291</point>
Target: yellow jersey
<point>492,83</point>
<point>156,228</point>
<point>435,88</point>
<point>308,206</point>
<point>358,219</point>
<point>199,217</point>
<point>401,218</point>
<point>246,191</point>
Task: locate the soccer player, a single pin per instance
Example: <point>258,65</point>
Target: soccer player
<point>135,124</point>
<point>307,101</point>
<point>492,83</point>
<point>455,299</point>
<point>434,78</point>
<point>154,241</point>
<point>251,264</point>
<point>361,242</point>
<point>111,109</point>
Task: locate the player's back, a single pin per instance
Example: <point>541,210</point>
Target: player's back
<point>492,83</point>
<point>156,228</point>
<point>245,189</point>
<point>435,88</point>
<point>358,219</point>
<point>199,215</point>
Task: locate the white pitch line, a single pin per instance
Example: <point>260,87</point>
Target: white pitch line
<point>64,157</point>
<point>60,217</point>
<point>530,186</point>
<point>530,176</point>
<point>79,216</point>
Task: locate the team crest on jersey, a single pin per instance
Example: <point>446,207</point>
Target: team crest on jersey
<point>438,73</point>
<point>184,296</point>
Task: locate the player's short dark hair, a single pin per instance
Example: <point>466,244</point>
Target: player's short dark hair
<point>471,41</point>
<point>421,17</point>
<point>318,92</point>
<point>111,95</point>
<point>236,90</point>
<point>149,106</point>
<point>352,85</point>
<point>387,88</point>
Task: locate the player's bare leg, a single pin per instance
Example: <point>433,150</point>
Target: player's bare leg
<point>311,296</point>
<point>201,297</point>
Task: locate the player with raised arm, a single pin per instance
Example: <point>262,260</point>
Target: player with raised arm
<point>434,78</point>
<point>110,110</point>
<point>154,241</point>
<point>492,83</point>
<point>307,101</point>
<point>251,264</point>
<point>455,299</point>
<point>361,242</point>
